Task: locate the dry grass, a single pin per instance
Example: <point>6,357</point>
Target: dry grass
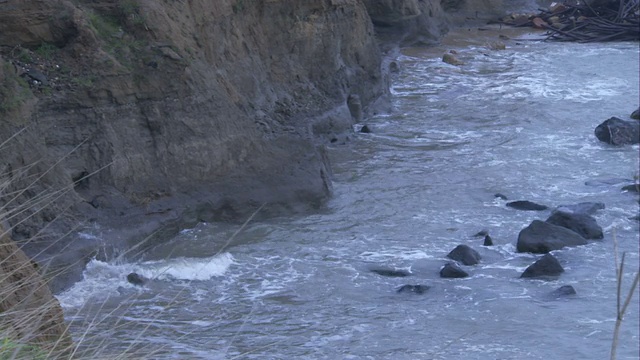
<point>621,307</point>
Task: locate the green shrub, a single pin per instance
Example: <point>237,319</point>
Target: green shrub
<point>46,51</point>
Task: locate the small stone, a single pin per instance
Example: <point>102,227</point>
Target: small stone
<point>450,59</point>
<point>365,129</point>
<point>481,233</point>
<point>416,289</point>
<point>136,279</point>
<point>488,241</point>
<point>391,272</point>
<point>564,290</point>
<point>636,114</point>
<point>526,205</point>
<point>500,196</point>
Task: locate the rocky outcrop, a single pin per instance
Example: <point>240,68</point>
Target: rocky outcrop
<point>157,115</point>
<point>30,313</point>
<point>616,131</point>
<point>408,22</point>
<point>541,237</point>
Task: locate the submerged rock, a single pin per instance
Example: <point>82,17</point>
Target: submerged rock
<point>136,279</point>
<point>487,241</point>
<point>416,289</point>
<point>632,188</point>
<point>616,131</point>
<point>526,205</point>
<point>451,271</point>
<point>540,237</point>
<point>391,272</point>
<point>500,196</point>
<point>547,265</point>
<point>465,255</point>
<point>481,233</point>
<point>564,290</point>
<point>584,225</point>
<point>636,114</point>
<point>451,59</point>
<point>586,208</point>
<point>365,129</point>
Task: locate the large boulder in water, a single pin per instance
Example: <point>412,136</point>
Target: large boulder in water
<point>540,237</point>
<point>585,225</point>
<point>451,271</point>
<point>616,131</point>
<point>465,255</point>
<point>547,265</point>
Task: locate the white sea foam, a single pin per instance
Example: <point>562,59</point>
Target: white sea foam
<point>187,268</point>
<point>103,279</point>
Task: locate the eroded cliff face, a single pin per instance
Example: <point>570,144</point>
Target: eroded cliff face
<point>30,313</point>
<point>139,117</point>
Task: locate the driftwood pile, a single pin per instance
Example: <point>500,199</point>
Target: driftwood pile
<point>617,20</point>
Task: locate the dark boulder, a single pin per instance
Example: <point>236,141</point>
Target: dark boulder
<point>540,237</point>
<point>465,255</point>
<point>488,241</point>
<point>526,205</point>
<point>547,265</point>
<point>616,131</point>
<point>416,289</point>
<point>632,188</point>
<point>585,225</point>
<point>451,270</point>
<point>586,208</point>
<point>36,75</point>
<point>365,129</point>
<point>391,272</point>
<point>136,279</point>
<point>564,290</point>
<point>636,114</point>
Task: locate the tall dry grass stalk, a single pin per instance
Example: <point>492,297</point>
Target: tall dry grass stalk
<point>621,308</point>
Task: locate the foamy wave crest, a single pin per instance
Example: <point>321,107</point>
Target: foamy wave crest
<point>186,268</point>
<point>103,279</point>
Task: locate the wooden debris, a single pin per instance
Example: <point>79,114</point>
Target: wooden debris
<point>617,20</point>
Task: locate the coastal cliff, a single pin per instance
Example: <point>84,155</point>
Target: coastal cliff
<point>131,119</point>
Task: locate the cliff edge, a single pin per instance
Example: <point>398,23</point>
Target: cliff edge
<point>131,119</point>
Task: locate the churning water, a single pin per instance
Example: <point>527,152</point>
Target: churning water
<point>518,122</point>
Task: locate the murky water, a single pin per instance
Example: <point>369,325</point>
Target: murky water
<point>518,122</point>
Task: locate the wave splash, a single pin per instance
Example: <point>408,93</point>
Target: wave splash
<point>104,279</point>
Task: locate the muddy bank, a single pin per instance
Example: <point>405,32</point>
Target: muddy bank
<point>131,120</point>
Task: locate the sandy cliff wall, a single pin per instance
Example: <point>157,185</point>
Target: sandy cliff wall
<point>138,117</point>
